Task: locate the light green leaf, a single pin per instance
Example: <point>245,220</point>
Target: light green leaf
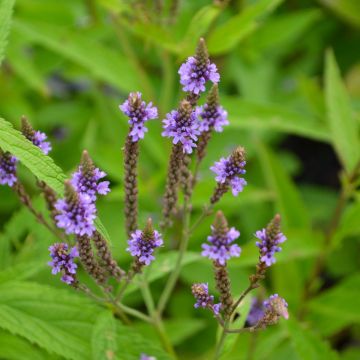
<point>16,348</point>
<point>6,10</point>
<point>249,115</point>
<point>104,346</point>
<point>56,320</point>
<point>41,165</point>
<point>342,123</point>
<point>228,35</point>
<point>337,307</point>
<point>103,63</point>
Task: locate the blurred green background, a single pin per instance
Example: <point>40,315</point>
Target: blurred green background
<point>290,81</point>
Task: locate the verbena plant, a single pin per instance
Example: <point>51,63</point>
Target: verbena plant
<point>129,289</point>
<point>73,216</point>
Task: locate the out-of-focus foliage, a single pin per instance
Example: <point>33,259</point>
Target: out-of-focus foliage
<point>290,80</point>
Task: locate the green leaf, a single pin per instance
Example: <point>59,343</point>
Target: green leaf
<point>104,346</point>
<point>41,165</point>
<point>347,9</point>
<point>306,344</point>
<point>228,35</point>
<point>16,348</point>
<point>289,201</point>
<point>342,123</point>
<point>56,320</point>
<point>254,116</point>
<point>103,63</point>
<point>6,10</point>
<point>338,307</point>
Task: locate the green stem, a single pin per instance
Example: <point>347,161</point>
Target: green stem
<point>221,342</point>
<point>176,272</point>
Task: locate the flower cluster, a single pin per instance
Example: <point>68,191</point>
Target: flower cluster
<point>38,138</point>
<point>228,169</point>
<point>86,179</point>
<point>77,212</point>
<point>204,299</point>
<point>197,70</point>
<point>221,248</point>
<point>270,238</point>
<point>7,169</point>
<point>138,112</point>
<point>63,261</point>
<point>143,243</point>
<point>183,126</point>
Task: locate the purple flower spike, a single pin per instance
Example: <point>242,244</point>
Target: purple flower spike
<point>212,118</point>
<point>204,299</point>
<point>77,212</point>
<point>7,169</point>
<point>143,243</point>
<point>86,179</point>
<point>278,305</point>
<point>183,126</point>
<point>228,169</point>
<point>63,261</point>
<point>197,70</point>
<point>270,238</point>
<point>138,112</point>
<point>221,248</point>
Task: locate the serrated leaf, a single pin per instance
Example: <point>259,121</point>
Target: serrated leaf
<point>56,320</point>
<point>228,35</point>
<point>16,348</point>
<point>343,125</point>
<point>6,10</point>
<point>103,343</point>
<point>41,165</point>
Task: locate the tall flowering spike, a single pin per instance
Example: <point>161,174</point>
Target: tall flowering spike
<point>275,307</point>
<point>77,212</point>
<point>197,70</point>
<point>204,299</point>
<point>38,138</point>
<point>7,169</point>
<point>220,250</point>
<point>221,247</point>
<point>183,126</point>
<point>138,112</point>
<point>228,171</point>
<point>106,258</point>
<point>213,116</point>
<point>86,179</point>
<point>270,238</point>
<point>63,262</point>
<point>143,243</point>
